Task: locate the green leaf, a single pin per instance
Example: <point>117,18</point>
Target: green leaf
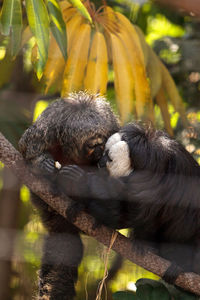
<point>16,30</point>
<point>124,295</point>
<point>7,15</point>
<point>6,66</point>
<point>79,5</point>
<point>160,293</point>
<point>58,26</point>
<point>143,292</point>
<point>11,22</point>
<point>39,23</point>
<point>148,289</point>
<point>26,35</point>
<point>152,282</point>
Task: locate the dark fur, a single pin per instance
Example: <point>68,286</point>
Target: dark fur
<point>66,131</point>
<point>160,199</point>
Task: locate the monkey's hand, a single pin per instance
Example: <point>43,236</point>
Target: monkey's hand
<point>48,165</point>
<point>71,180</point>
<point>44,164</point>
<point>72,172</point>
<point>100,194</point>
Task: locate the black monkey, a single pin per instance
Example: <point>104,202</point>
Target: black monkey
<point>71,131</point>
<point>153,187</point>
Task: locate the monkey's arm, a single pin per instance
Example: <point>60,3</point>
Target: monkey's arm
<point>101,195</point>
<point>116,202</point>
<point>35,144</point>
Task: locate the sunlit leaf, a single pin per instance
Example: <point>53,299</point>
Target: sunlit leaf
<point>58,26</point>
<point>39,23</point>
<point>26,35</point>
<point>24,194</point>
<point>75,67</point>
<point>6,66</point>
<point>55,65</point>
<point>34,54</point>
<point>39,108</point>
<point>79,5</point>
<point>162,103</point>
<point>11,22</point>
<point>131,41</point>
<point>7,15</point>
<point>16,34</point>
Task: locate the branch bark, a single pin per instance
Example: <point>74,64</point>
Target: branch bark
<point>151,262</point>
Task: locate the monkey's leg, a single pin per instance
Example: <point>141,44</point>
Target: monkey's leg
<point>61,257</point>
<point>62,253</point>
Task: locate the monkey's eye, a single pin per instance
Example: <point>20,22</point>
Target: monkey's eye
<point>94,148</point>
<point>90,149</point>
<point>94,143</point>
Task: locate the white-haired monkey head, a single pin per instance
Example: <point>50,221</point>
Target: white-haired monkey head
<point>116,157</point>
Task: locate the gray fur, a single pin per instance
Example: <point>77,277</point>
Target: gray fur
<point>65,132</point>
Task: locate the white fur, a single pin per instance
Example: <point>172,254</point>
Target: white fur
<point>115,138</point>
<point>121,163</point>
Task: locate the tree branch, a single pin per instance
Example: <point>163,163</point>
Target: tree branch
<point>151,262</point>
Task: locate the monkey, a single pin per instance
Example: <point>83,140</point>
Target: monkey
<point>72,130</point>
<point>152,186</point>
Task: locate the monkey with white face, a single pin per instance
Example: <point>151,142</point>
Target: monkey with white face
<point>153,187</point>
<point>116,157</point>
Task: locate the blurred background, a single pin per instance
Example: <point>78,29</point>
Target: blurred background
<point>172,29</point>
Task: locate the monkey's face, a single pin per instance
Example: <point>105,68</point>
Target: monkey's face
<point>93,148</point>
<point>116,157</point>
<point>83,151</point>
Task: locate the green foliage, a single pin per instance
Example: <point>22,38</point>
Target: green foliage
<point>58,27</point>
<point>39,23</point>
<point>126,295</point>
<point>11,22</point>
<point>6,66</point>
<point>144,292</point>
<point>39,107</point>
<point>148,289</point>
<point>42,16</point>
<point>160,26</point>
<point>79,5</point>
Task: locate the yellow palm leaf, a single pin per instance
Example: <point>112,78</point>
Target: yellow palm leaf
<point>77,61</point>
<point>123,78</point>
<point>97,68</point>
